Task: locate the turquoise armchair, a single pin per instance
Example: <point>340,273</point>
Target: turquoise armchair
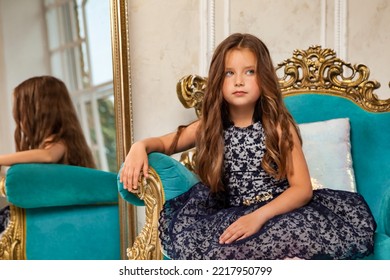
<point>315,89</point>
<point>60,212</point>
<point>370,150</point>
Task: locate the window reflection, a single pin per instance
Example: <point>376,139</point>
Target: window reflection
<point>80,54</point>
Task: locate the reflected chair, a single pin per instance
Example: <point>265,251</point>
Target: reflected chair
<point>318,87</point>
<point>60,212</point>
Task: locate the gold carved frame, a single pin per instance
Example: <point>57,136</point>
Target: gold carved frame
<point>123,110</point>
<point>12,242</point>
<point>146,245</point>
<point>321,71</point>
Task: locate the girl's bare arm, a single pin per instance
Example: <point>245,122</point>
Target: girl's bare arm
<point>136,161</point>
<point>52,153</point>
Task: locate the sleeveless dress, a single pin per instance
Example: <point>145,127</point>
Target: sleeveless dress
<point>4,218</point>
<point>333,225</point>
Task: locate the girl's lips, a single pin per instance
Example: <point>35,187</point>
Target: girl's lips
<point>239,92</point>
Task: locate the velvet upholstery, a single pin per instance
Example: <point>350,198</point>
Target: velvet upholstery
<point>175,178</point>
<point>370,146</point>
<point>370,143</point>
<point>86,232</point>
<point>59,185</point>
<point>385,212</point>
<point>70,212</point>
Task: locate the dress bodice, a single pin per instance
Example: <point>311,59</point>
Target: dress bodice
<point>244,178</point>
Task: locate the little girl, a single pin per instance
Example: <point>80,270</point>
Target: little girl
<point>255,199</point>
<point>47,127</point>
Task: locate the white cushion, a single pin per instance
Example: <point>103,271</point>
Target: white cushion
<point>327,150</point>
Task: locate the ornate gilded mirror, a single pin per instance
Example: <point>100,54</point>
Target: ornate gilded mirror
<point>123,109</point>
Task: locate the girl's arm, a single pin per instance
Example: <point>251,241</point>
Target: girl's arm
<point>298,194</point>
<point>136,161</point>
<point>52,153</point>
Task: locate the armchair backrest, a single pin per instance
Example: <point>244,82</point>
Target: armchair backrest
<point>319,86</point>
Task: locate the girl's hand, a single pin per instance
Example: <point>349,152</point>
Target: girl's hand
<point>135,164</point>
<point>244,227</point>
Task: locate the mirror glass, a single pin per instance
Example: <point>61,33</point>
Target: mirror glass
<point>79,50</point>
<point>69,39</point>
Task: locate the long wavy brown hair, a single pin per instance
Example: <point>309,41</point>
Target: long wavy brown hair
<point>44,113</point>
<point>270,109</point>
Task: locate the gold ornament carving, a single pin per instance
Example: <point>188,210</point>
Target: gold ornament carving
<point>2,186</point>
<point>188,159</point>
<point>147,244</point>
<point>190,91</point>
<point>319,70</point>
<point>12,242</point>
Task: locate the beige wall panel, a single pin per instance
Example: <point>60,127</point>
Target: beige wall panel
<point>369,39</point>
<point>23,54</point>
<point>282,25</point>
<point>164,43</point>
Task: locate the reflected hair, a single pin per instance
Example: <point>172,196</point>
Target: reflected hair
<point>44,114</point>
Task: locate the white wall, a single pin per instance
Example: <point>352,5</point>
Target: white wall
<point>369,39</point>
<point>22,55</point>
<point>164,43</point>
<point>4,98</point>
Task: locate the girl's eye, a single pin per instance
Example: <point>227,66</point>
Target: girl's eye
<point>250,72</point>
<point>229,73</point>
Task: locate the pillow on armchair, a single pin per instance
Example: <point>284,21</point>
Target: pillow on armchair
<point>327,149</point>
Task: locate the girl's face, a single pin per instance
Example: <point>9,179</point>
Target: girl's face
<point>240,87</point>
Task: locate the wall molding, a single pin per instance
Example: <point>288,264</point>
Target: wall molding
<point>323,24</point>
<point>207,34</point>
<point>226,18</point>
<point>340,28</point>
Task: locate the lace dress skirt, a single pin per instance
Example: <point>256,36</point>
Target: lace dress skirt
<point>333,225</point>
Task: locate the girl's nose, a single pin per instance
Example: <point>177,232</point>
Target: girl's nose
<point>239,82</point>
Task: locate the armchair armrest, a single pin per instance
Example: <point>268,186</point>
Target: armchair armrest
<point>60,212</point>
<point>167,179</point>
<point>174,176</point>
<point>35,185</point>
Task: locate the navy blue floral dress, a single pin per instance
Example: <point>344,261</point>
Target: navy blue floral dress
<point>333,225</point>
<point>4,218</point>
